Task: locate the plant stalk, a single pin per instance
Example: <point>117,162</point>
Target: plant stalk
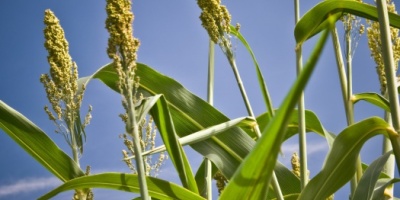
<point>301,110</point>
<point>210,100</point>
<point>275,183</point>
<point>132,129</point>
<point>387,54</point>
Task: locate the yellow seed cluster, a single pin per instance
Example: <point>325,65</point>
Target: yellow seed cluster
<point>122,46</point>
<point>295,164</point>
<point>61,85</point>
<point>374,43</point>
<point>215,18</point>
<point>221,181</point>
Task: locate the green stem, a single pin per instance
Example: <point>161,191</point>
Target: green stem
<point>387,54</point>
<point>275,183</point>
<point>389,168</point>
<point>301,110</point>
<point>210,99</point>
<point>350,111</point>
<point>132,129</point>
<point>341,67</point>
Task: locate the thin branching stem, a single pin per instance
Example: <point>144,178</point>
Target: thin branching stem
<point>387,54</point>
<point>301,112</point>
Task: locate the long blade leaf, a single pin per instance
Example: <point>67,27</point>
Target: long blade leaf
<point>158,188</point>
<point>37,144</point>
<point>209,132</point>
<point>249,181</point>
<point>340,164</point>
<point>190,114</point>
<point>165,126</point>
<point>373,98</point>
<point>315,20</point>
<point>366,185</point>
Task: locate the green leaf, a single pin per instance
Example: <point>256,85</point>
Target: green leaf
<point>190,114</point>
<point>315,20</point>
<point>261,81</point>
<point>200,180</point>
<point>37,144</point>
<point>313,124</point>
<point>379,193</point>
<point>340,164</point>
<point>165,125</point>
<point>366,185</point>
<point>209,132</point>
<point>373,98</point>
<point>158,188</point>
<point>252,178</point>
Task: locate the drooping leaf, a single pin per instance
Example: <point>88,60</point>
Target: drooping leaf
<point>340,164</point>
<point>37,144</point>
<point>222,149</point>
<point>366,185</point>
<point>315,20</point>
<point>190,114</point>
<point>250,181</point>
<point>162,118</point>
<point>313,124</point>
<point>373,98</point>
<point>260,77</point>
<point>379,193</point>
<point>158,188</point>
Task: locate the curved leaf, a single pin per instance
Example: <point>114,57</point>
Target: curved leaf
<point>366,185</point>
<point>158,188</point>
<point>250,181</point>
<point>190,114</point>
<point>340,164</point>
<point>379,192</point>
<point>315,20</point>
<point>313,124</point>
<point>261,81</point>
<point>165,126</point>
<point>373,98</point>
<point>37,144</point>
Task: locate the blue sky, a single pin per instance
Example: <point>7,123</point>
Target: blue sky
<point>174,43</point>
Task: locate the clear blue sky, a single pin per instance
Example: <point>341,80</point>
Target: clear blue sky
<point>174,43</point>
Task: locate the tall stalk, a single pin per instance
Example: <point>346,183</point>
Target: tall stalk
<point>301,111</point>
<point>122,49</point>
<point>345,76</point>
<point>387,54</point>
<point>216,20</point>
<point>210,100</point>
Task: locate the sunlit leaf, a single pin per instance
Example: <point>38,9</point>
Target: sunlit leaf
<point>340,164</point>
<point>37,144</point>
<point>190,114</point>
<point>374,99</point>
<point>252,178</point>
<point>157,188</point>
<point>315,20</point>
<point>162,118</point>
